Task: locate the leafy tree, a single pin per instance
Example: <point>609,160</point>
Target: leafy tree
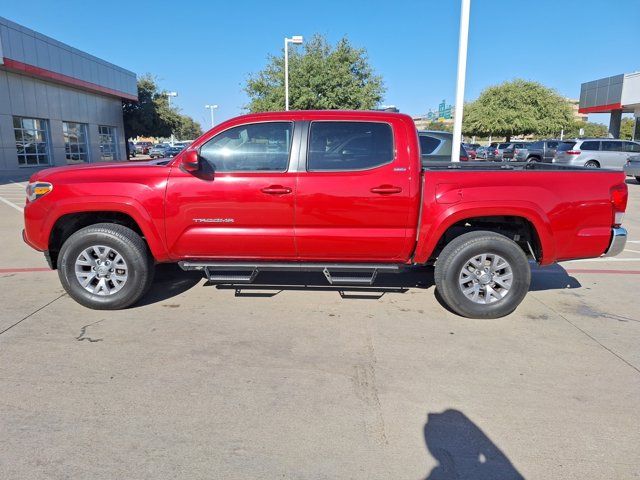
<point>151,115</point>
<point>439,126</point>
<point>518,107</point>
<point>322,77</point>
<point>188,128</point>
<point>626,128</point>
<point>591,129</point>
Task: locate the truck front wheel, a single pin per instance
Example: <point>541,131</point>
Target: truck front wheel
<point>482,275</point>
<point>105,266</point>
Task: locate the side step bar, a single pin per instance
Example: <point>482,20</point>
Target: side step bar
<point>335,273</point>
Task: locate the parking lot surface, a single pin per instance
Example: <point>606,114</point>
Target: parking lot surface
<point>287,381</point>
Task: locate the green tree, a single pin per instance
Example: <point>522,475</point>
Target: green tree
<point>590,129</point>
<point>151,115</point>
<point>626,128</point>
<point>518,107</point>
<point>188,128</point>
<point>322,77</point>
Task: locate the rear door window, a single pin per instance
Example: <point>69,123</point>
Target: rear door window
<point>632,147</point>
<point>428,144</point>
<point>611,146</point>
<point>335,146</point>
<point>590,145</point>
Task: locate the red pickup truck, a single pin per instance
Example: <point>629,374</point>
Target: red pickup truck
<point>345,193</point>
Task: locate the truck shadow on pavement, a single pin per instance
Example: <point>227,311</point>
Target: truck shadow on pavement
<point>463,451</point>
<point>171,281</point>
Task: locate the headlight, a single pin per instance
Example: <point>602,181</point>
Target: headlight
<point>35,190</point>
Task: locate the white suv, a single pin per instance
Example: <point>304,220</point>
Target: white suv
<point>596,152</point>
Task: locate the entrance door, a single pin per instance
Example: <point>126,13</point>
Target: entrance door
<point>240,205</point>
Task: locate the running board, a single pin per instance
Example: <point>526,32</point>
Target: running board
<point>335,273</point>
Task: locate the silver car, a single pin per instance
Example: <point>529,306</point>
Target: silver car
<point>500,151</point>
<point>632,168</point>
<point>596,153</point>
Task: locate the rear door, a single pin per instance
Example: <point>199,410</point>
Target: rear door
<point>613,155</point>
<point>356,196</point>
<point>241,204</point>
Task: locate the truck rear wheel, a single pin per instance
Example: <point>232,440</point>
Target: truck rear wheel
<point>482,275</point>
<point>105,266</point>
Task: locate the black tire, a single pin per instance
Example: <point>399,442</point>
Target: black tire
<point>637,178</point>
<point>533,160</point>
<point>592,164</point>
<point>455,256</point>
<point>128,244</point>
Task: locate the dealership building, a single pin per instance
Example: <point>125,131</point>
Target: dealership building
<point>58,105</point>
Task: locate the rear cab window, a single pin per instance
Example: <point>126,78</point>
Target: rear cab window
<point>348,146</point>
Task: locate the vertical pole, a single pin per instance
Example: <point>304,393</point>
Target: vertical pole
<point>462,73</point>
<point>286,75</point>
<point>169,101</point>
<point>211,116</point>
<point>562,134</point>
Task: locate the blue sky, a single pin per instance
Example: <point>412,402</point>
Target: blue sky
<point>205,49</point>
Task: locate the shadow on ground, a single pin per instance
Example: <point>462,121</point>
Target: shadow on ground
<point>171,281</point>
<point>463,451</point>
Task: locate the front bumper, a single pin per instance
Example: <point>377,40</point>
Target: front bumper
<point>617,243</point>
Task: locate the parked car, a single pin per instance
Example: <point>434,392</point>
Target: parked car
<point>436,146</point>
<point>485,153</point>
<point>499,151</point>
<point>513,150</point>
<point>542,151</point>
<point>158,150</point>
<point>632,168</point>
<point>171,152</point>
<point>143,147</point>
<point>471,149</point>
<point>596,152</point>
<point>270,191</point>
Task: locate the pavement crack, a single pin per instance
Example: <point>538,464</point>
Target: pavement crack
<point>620,357</point>
<point>32,313</point>
<point>83,334</point>
<point>366,388</point>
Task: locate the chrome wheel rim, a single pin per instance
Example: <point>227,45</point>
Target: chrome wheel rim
<point>101,270</point>
<point>485,278</point>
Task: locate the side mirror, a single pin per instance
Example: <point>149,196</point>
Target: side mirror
<point>191,161</point>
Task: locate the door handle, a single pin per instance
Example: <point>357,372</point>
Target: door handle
<point>276,190</point>
<point>386,189</point>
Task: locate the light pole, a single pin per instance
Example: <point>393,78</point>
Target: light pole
<point>462,73</point>
<point>296,40</point>
<point>211,108</point>
<point>169,95</point>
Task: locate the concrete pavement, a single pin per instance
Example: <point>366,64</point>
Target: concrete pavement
<point>203,382</point>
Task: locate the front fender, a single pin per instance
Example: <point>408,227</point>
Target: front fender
<point>150,226</point>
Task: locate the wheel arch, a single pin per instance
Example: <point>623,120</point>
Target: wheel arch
<point>528,227</point>
<point>69,221</point>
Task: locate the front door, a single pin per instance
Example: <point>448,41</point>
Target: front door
<point>241,204</point>
<point>356,198</point>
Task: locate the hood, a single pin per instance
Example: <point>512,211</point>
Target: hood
<point>106,167</point>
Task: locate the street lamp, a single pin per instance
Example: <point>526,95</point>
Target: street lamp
<point>211,108</point>
<point>296,40</point>
<point>169,95</point>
